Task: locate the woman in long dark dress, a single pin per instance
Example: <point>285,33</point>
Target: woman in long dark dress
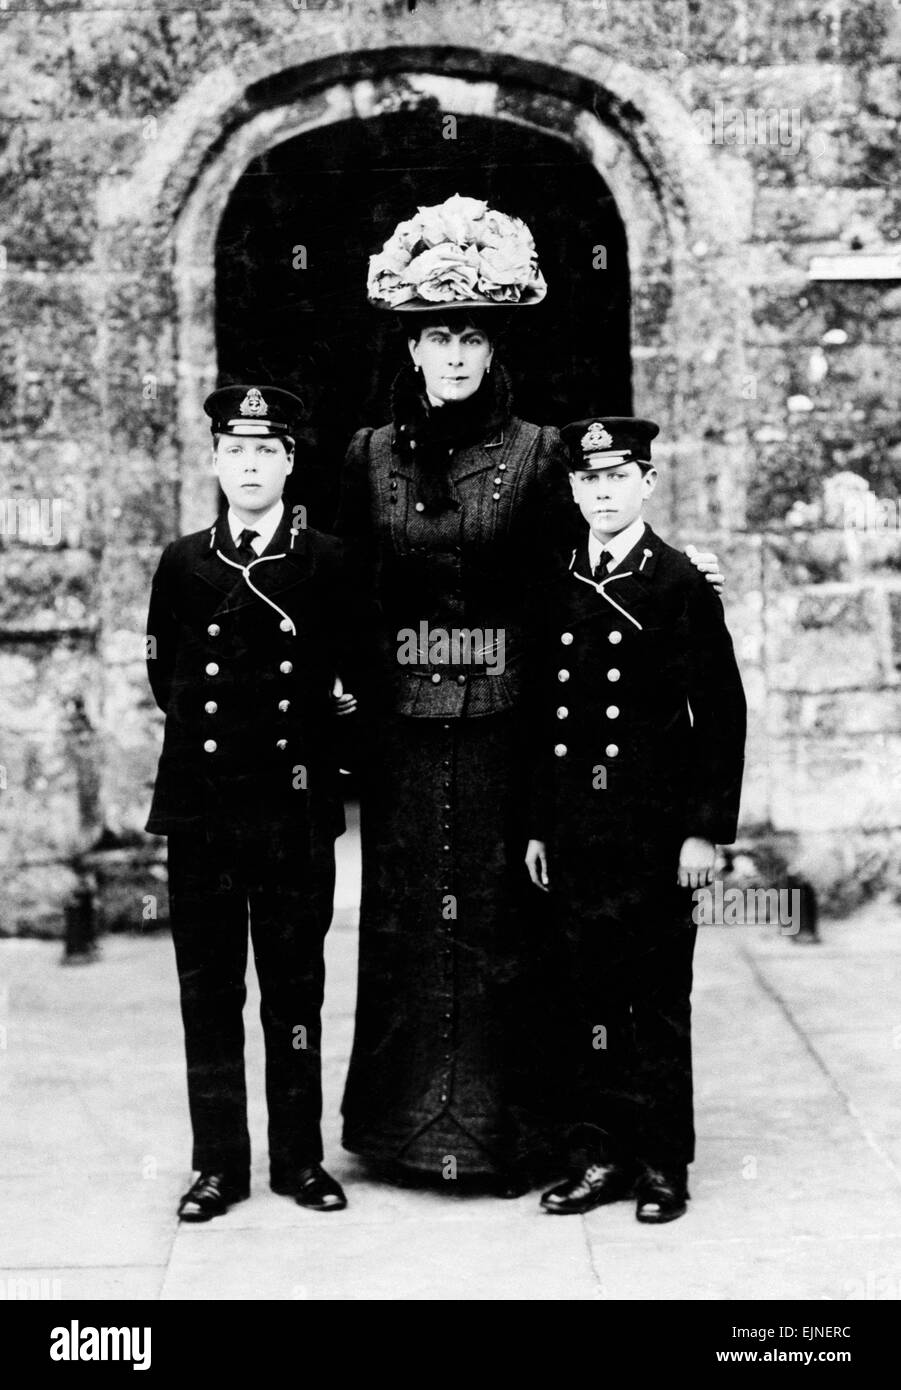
<point>449,508</point>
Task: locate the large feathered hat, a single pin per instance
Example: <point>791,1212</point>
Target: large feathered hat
<point>458,254</point>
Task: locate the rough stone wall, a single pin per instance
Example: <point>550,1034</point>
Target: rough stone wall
<point>771,383</point>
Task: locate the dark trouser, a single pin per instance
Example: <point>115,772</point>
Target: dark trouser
<point>627,1027</point>
<point>287,893</point>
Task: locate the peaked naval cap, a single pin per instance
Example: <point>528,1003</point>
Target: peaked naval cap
<point>604,441</point>
<point>258,411</point>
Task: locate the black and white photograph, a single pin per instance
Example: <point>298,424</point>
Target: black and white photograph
<point>450,664</point>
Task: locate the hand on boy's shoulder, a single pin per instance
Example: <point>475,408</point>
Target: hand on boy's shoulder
<point>678,568</point>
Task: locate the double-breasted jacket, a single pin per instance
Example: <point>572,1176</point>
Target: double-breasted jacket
<point>243,664</point>
<point>640,710</point>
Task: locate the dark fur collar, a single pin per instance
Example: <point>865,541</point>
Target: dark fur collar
<point>481,417</point>
<point>426,438</point>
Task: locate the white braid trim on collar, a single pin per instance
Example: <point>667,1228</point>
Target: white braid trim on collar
<point>245,570</point>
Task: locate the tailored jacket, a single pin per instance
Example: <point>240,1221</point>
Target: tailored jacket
<point>245,681</point>
<point>640,713</point>
<point>472,566</point>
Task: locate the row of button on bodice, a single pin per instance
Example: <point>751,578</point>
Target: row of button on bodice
<point>420,506</point>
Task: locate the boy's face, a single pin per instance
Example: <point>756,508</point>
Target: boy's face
<point>251,470</point>
<point>610,499</point>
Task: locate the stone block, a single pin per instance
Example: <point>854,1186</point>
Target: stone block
<point>51,320</point>
<point>882,89</point>
<point>701,486</point>
<point>132,745</point>
<point>33,51</point>
<point>782,471</point>
<point>800,33</point>
<point>50,754</point>
<point>47,590</point>
<point>651,306</point>
<point>819,556</point>
<point>805,314</point>
<point>868,31</point>
<point>143,61</point>
<point>48,382</point>
<point>813,216</point>
<point>33,897</point>
<point>50,217</point>
<point>48,405</point>
<point>807,629</point>
<point>859,375</point>
<point>755,788</point>
<point>125,577</point>
<point>814,90</point>
<point>139,312</point>
<point>645,26</point>
<point>843,783</point>
<point>864,373</point>
<point>711,382</point>
<point>894,607</point>
<point>58,475</point>
<point>141,505</point>
<point>848,867</point>
<point>838,714</point>
<point>654,379</point>
<point>143,411</point>
<point>855,150</point>
<point>792,463</point>
<point>131,888</point>
<point>127,573</point>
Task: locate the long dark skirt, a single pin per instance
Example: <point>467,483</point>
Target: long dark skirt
<point>445,1074</point>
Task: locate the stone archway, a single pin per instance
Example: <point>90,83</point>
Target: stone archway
<point>681,227</point>
<point>686,222</point>
<point>292,248</point>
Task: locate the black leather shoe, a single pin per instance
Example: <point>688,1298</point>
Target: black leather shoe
<point>313,1188</point>
<point>662,1195</point>
<point>211,1195</point>
<point>595,1186</point>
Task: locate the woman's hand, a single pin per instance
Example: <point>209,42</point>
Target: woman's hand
<point>697,861</point>
<point>342,704</point>
<point>706,561</point>
<point>536,863</point>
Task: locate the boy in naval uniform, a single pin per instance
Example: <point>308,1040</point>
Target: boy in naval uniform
<point>250,623</point>
<point>640,744</point>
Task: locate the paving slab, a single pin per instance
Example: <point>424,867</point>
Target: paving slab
<point>411,1260</point>
<point>90,1282</point>
<point>796,1190</point>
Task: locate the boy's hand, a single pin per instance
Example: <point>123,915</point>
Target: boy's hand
<point>707,562</point>
<point>697,862</point>
<point>536,863</point>
<point>343,704</point>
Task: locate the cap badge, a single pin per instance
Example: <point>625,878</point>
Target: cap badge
<point>253,404</point>
<point>596,437</point>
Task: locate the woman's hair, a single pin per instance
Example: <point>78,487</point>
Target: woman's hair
<point>492,322</point>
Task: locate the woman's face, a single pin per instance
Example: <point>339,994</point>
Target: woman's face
<point>453,363</point>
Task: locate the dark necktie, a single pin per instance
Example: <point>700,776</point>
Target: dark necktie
<point>246,552</point>
<point>600,570</point>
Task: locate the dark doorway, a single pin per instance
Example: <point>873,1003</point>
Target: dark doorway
<point>338,193</point>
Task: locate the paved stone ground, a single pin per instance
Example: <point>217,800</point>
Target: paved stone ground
<point>796,1192</point>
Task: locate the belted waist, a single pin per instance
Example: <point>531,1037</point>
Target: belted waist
<point>457,673</point>
<point>447,692</point>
